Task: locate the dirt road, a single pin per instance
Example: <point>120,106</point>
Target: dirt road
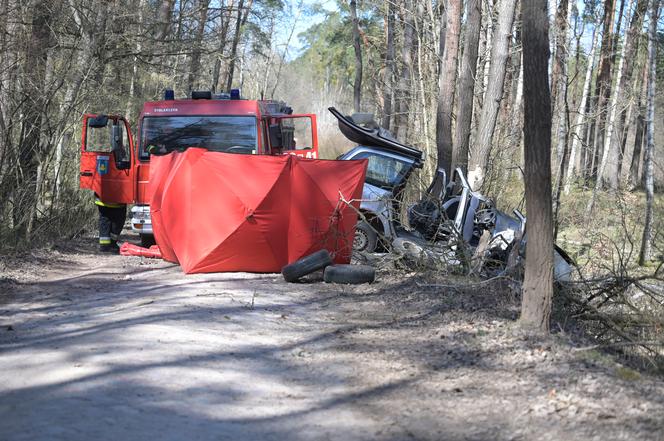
<point>116,348</point>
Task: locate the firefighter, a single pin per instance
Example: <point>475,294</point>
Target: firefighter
<point>111,221</point>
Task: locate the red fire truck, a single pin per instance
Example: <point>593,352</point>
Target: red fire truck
<point>116,165</point>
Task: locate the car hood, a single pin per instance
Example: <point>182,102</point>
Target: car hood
<point>377,137</point>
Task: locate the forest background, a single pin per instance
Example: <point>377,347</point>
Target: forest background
<point>445,77</point>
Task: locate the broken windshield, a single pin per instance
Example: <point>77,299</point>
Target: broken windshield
<point>384,171</point>
<point>230,134</point>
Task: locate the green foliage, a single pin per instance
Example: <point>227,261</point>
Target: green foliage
<point>328,54</point>
<point>327,50</point>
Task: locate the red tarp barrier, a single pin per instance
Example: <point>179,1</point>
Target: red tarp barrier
<point>215,212</point>
<point>129,249</point>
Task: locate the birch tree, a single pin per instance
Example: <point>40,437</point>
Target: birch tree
<point>615,151</point>
<point>646,242</point>
<point>480,151</point>
<point>578,127</point>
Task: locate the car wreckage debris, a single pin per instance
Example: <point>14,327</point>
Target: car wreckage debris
<point>445,226</point>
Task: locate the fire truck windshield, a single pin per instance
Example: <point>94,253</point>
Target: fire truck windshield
<point>231,134</point>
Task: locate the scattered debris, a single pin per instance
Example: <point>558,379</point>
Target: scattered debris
<point>451,225</point>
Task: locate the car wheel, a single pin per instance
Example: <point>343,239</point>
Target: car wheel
<point>349,274</point>
<point>365,238</point>
<point>306,265</point>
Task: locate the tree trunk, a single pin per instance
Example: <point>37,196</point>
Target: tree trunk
<point>92,33</point>
<point>603,85</point>
<point>241,19</point>
<point>422,74</point>
<point>648,234</point>
<point>224,20</point>
<point>195,61</point>
<point>538,281</point>
<point>357,84</point>
<point>479,154</point>
<point>611,116</point>
<point>165,13</point>
<point>559,69</point>
<point>612,172</point>
<point>468,72</point>
<point>388,80</point>
<point>578,125</point>
<point>401,118</point>
<point>34,72</point>
<point>486,46</point>
<point>268,62</point>
<point>560,102</point>
<point>446,86</point>
<point>634,175</point>
<point>138,47</point>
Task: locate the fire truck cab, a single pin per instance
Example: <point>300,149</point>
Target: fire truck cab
<point>116,165</point>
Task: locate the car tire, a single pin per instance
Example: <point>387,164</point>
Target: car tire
<point>365,239</point>
<point>147,240</point>
<point>349,274</point>
<point>306,265</point>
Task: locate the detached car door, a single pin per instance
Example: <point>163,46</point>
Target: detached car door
<point>107,158</point>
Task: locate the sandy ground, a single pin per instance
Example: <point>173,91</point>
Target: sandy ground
<point>116,348</point>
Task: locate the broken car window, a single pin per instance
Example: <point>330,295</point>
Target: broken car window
<point>384,171</point>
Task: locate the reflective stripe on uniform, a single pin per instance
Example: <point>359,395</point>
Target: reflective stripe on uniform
<point>108,204</point>
<point>104,241</point>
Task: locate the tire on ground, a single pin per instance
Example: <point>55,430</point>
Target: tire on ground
<point>306,265</point>
<point>365,238</point>
<point>349,274</point>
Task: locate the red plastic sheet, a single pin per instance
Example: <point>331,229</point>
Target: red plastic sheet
<point>215,212</point>
<point>129,249</point>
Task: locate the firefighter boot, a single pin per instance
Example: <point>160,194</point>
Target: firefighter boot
<point>111,248</point>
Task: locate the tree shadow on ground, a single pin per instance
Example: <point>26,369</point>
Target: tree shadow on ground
<point>235,387</point>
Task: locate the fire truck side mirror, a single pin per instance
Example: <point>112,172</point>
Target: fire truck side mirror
<point>276,141</point>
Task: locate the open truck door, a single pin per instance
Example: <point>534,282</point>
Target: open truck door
<point>107,158</point>
<point>293,135</point>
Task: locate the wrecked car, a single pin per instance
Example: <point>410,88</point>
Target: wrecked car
<point>455,217</point>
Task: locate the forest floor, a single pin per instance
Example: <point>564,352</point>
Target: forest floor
<point>124,348</point>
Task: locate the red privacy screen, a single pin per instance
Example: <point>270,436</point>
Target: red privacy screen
<point>214,212</point>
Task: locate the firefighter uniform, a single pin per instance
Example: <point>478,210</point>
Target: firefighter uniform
<point>111,221</point>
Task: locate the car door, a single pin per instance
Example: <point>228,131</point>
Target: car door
<point>107,158</point>
<point>294,135</point>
